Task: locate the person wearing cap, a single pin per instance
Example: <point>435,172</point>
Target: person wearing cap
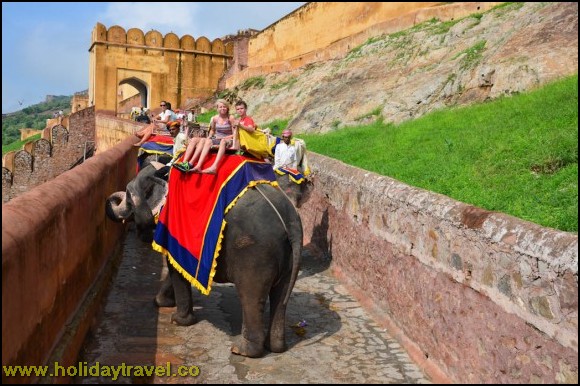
<point>192,116</point>
<point>285,152</point>
<point>179,138</point>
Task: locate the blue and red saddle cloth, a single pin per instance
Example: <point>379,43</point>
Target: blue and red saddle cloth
<point>191,224</point>
<point>157,144</point>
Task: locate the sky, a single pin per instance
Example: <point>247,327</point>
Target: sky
<point>45,45</point>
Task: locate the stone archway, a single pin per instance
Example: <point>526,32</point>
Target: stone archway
<point>127,63</point>
<point>131,92</point>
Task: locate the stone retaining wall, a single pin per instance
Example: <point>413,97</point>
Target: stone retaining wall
<point>483,296</point>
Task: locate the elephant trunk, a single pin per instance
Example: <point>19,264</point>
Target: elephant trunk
<point>117,207</point>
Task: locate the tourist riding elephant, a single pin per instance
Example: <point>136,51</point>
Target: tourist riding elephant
<point>260,254</point>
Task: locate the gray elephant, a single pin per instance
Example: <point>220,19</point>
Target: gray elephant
<point>261,252</point>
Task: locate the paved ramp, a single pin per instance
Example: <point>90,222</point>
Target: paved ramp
<point>335,343</point>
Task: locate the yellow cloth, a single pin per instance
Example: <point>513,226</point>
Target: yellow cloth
<point>255,143</point>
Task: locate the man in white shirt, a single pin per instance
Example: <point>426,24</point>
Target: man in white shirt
<point>192,116</point>
<point>285,152</point>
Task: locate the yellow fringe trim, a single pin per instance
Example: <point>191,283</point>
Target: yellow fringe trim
<point>297,181</point>
<point>182,271</point>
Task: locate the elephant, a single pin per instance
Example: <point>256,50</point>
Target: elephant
<point>260,254</point>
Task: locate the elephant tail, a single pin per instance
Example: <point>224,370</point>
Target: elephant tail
<point>295,237</point>
<point>293,229</point>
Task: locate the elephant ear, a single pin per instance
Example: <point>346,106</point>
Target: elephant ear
<point>158,192</point>
<point>148,191</point>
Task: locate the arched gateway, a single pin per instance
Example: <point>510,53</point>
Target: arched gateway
<point>129,69</point>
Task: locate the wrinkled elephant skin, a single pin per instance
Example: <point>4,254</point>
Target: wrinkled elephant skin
<point>260,254</point>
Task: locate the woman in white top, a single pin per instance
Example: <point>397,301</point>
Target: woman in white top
<point>159,122</point>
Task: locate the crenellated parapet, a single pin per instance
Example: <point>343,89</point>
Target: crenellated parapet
<point>158,67</point>
<point>116,36</point>
<point>79,101</point>
<point>61,145</point>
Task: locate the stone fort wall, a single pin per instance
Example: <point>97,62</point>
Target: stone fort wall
<point>61,145</point>
<point>485,297</point>
<point>59,252</point>
<point>331,30</point>
<point>182,70</point>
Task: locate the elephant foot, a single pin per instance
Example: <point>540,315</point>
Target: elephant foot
<point>248,349</point>
<point>163,301</point>
<point>278,346</point>
<point>186,320</point>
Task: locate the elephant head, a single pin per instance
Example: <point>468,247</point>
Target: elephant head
<point>141,202</point>
<point>297,193</point>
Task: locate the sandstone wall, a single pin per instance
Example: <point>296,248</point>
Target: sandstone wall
<point>62,144</point>
<point>57,254</point>
<point>483,296</point>
<point>329,30</point>
<point>111,130</point>
<point>179,70</point>
<point>79,101</point>
<point>26,133</point>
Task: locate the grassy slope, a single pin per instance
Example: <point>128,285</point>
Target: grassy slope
<point>516,155</point>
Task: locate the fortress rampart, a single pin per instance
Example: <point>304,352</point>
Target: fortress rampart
<point>58,255</point>
<point>61,145</point>
<point>180,70</point>
<point>483,296</point>
<point>320,31</point>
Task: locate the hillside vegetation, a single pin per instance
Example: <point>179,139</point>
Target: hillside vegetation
<point>517,155</point>
<point>31,117</point>
<point>402,75</point>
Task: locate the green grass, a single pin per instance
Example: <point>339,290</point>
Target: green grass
<point>277,126</point>
<point>517,155</point>
<point>206,117</point>
<point>472,55</point>
<point>288,83</point>
<point>253,82</point>
<point>18,144</point>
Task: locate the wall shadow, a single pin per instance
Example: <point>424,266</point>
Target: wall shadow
<point>222,310</point>
<point>317,255</point>
<point>126,330</point>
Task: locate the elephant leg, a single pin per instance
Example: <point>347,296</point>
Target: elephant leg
<point>251,342</point>
<point>166,295</point>
<point>276,339</point>
<point>183,299</point>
